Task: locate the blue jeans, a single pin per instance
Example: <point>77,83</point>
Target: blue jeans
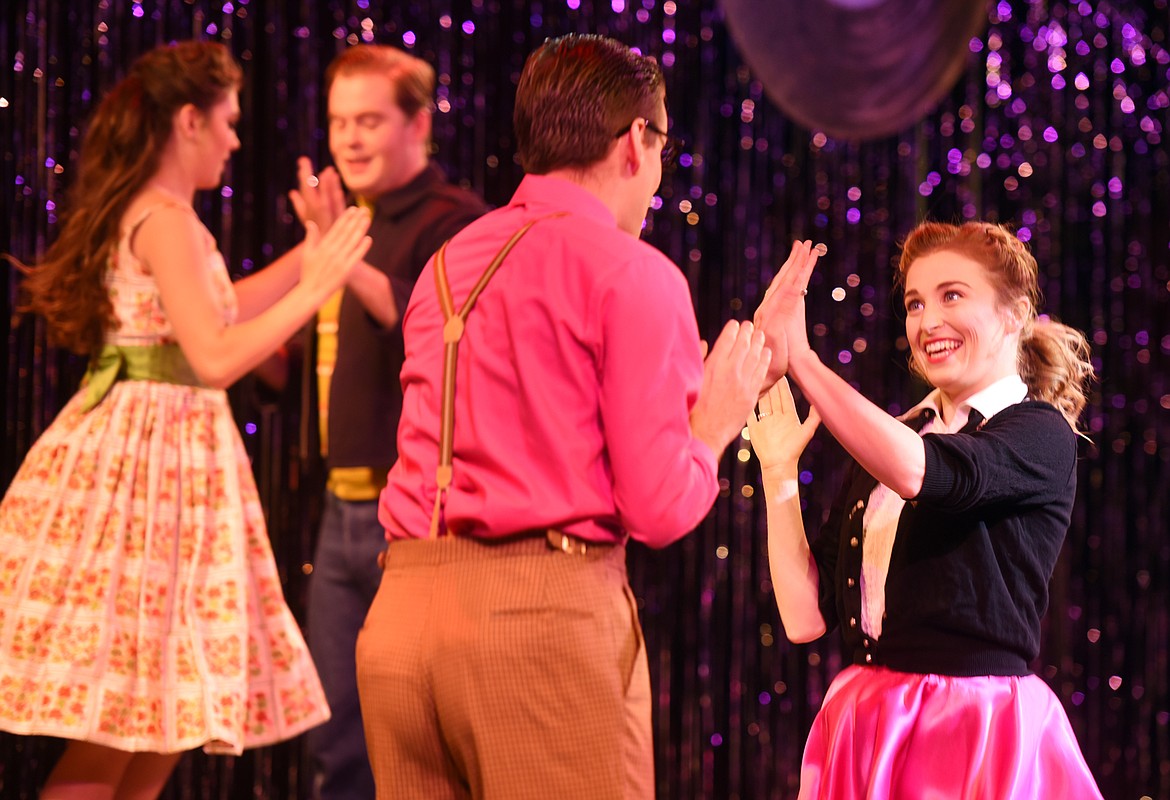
<point>344,581</point>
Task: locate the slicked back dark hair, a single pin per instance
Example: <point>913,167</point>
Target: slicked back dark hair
<point>576,94</point>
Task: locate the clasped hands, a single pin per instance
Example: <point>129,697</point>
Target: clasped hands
<point>749,357</point>
<point>780,315</point>
<point>777,434</point>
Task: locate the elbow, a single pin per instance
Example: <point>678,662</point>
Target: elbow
<point>913,474</point>
<point>212,376</point>
<point>657,537</point>
<point>907,490</point>
<point>903,474</point>
<point>908,484</point>
<point>805,633</point>
<point>215,382</point>
<point>661,526</point>
<point>219,361</point>
<point>658,521</point>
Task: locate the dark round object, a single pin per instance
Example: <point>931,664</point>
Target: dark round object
<point>855,69</point>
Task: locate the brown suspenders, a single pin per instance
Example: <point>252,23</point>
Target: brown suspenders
<point>452,333</point>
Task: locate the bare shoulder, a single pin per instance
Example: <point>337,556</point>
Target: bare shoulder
<point>162,229</point>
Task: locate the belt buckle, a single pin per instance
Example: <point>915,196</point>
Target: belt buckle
<point>566,543</point>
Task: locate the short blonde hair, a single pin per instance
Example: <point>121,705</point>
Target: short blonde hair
<point>413,79</point>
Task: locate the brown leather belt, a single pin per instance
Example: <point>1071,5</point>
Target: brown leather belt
<point>553,540</point>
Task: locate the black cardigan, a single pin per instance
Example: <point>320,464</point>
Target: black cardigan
<point>973,553</point>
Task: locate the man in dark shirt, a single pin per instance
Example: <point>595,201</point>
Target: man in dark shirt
<point>379,101</point>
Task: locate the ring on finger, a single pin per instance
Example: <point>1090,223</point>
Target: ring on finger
<point>312,181</point>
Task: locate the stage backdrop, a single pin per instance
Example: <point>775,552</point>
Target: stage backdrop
<point>1056,124</point>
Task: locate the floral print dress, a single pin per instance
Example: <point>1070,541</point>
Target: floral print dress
<point>140,604</point>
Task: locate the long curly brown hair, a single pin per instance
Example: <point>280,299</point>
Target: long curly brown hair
<point>1054,359</point>
<point>119,154</point>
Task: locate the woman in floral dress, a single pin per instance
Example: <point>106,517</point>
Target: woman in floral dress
<point>141,611</point>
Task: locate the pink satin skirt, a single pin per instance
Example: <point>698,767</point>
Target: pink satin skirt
<point>884,734</point>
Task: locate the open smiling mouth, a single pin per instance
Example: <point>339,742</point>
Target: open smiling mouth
<point>939,350</point>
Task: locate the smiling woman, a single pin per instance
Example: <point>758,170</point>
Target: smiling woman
<point>961,340</point>
<point>935,559</point>
<point>1051,358</point>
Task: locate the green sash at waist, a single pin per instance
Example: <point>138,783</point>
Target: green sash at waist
<point>164,363</point>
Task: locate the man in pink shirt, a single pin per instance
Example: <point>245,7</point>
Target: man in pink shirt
<point>566,408</point>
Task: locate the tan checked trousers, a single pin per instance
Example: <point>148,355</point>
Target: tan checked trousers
<point>505,671</point>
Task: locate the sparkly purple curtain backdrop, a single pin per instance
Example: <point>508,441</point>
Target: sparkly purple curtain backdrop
<point>1057,125</point>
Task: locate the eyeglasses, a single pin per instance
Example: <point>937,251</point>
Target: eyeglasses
<point>671,148</point>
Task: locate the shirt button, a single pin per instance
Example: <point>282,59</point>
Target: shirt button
<point>869,658</point>
<point>850,582</point>
<point>853,542</point>
<point>853,622</point>
<point>866,643</point>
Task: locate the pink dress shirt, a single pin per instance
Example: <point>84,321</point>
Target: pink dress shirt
<point>576,377</point>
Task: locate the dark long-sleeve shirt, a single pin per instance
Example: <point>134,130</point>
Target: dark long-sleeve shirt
<point>974,551</point>
<point>365,397</point>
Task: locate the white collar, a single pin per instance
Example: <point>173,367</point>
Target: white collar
<point>988,401</point>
